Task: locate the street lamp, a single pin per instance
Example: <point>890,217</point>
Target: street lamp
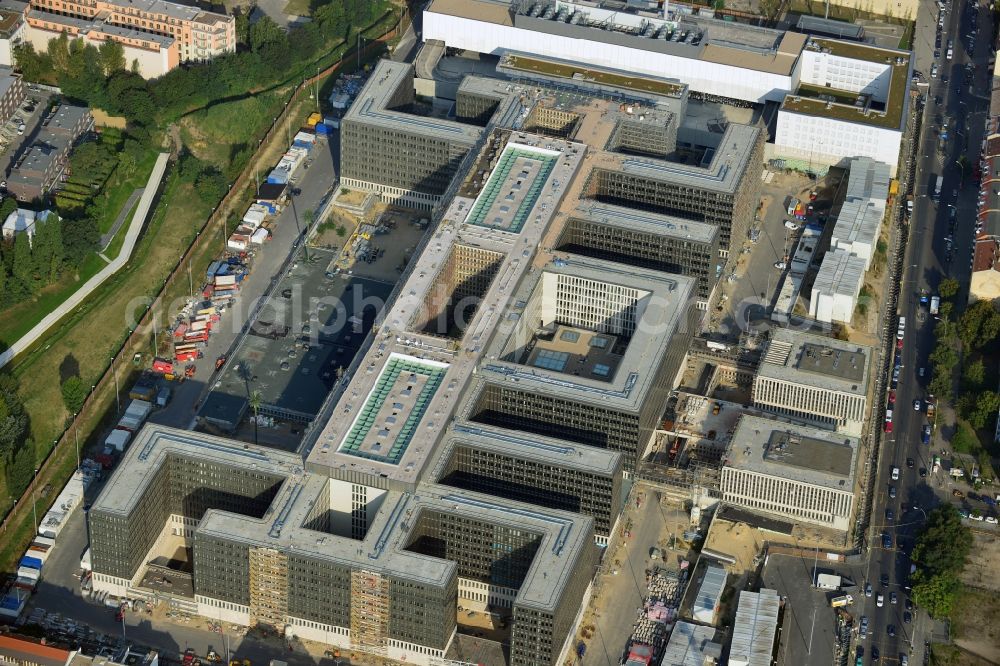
<point>76,430</point>
<point>34,510</point>
<point>114,374</point>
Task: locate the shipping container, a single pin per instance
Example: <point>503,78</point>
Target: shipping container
<point>118,439</point>
<point>30,562</point>
<point>162,365</point>
<point>260,236</point>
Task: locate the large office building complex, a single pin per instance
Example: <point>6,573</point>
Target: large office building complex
<point>473,455</point>
<point>985,282</point>
<point>792,471</point>
<point>839,99</point>
<point>815,379</point>
<point>156,34</point>
<point>662,190</point>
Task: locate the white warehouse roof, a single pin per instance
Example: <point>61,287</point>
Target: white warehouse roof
<point>755,628</point>
<point>706,604</point>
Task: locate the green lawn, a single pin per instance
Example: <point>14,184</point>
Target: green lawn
<point>117,190</point>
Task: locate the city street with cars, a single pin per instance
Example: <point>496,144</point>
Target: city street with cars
<point>940,235</point>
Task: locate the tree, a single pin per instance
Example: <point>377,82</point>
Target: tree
<point>984,409</point>
<point>21,467</point>
<point>23,265</point>
<point>943,543</point>
<point>242,25</point>
<point>255,403</point>
<point>13,418</point>
<point>964,440</point>
<point>769,8</point>
<point>34,66</point>
<point>265,31</point>
<point>111,57</point>
<point>936,595</point>
<point>74,394</point>
<point>948,288</point>
<point>979,325</point>
<point>974,374</point>
<point>210,185</point>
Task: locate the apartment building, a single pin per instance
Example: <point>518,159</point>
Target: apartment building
<point>815,379</point>
<point>791,471</point>
<point>985,282</point>
<point>11,93</point>
<point>38,168</point>
<point>157,34</point>
<point>12,31</point>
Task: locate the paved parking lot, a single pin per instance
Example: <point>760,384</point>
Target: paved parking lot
<point>810,625</point>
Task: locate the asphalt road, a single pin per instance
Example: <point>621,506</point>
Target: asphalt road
<point>929,258</point>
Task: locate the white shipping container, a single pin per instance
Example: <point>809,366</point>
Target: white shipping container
<point>225,280</point>
<point>260,236</point>
<point>118,439</point>
<point>237,243</point>
<point>43,541</point>
<point>139,409</point>
<point>130,423</point>
<point>38,553</point>
<point>29,574</point>
<point>305,137</point>
<point>201,324</point>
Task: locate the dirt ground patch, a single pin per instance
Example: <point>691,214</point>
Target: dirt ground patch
<point>976,623</point>
<point>952,655</point>
<point>980,572</point>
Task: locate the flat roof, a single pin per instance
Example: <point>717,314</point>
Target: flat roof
<point>690,645</point>
<point>859,221</point>
<point>527,446</point>
<point>661,310</point>
<point>294,363</point>
<point>792,451</point>
<point>713,40</point>
<point>841,272</point>
<point>550,67</point>
<point>384,427</point>
<point>658,224</point>
<point>710,590</point>
<point>154,443</point>
<point>400,329</point>
<point>171,9</point>
<point>510,193</point>
<point>373,106</point>
<point>755,627</point>
<point>831,27</point>
<point>832,364</point>
<point>723,174</point>
<point>9,20</point>
<point>491,11</point>
<point>868,179</point>
<point>805,100</point>
<point>564,537</point>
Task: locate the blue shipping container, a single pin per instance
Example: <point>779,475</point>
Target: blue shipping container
<point>322,129</point>
<point>31,563</point>
<point>212,267</point>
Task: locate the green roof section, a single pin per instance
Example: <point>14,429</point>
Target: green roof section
<point>385,387</point>
<point>602,76</point>
<point>805,98</point>
<point>497,184</point>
